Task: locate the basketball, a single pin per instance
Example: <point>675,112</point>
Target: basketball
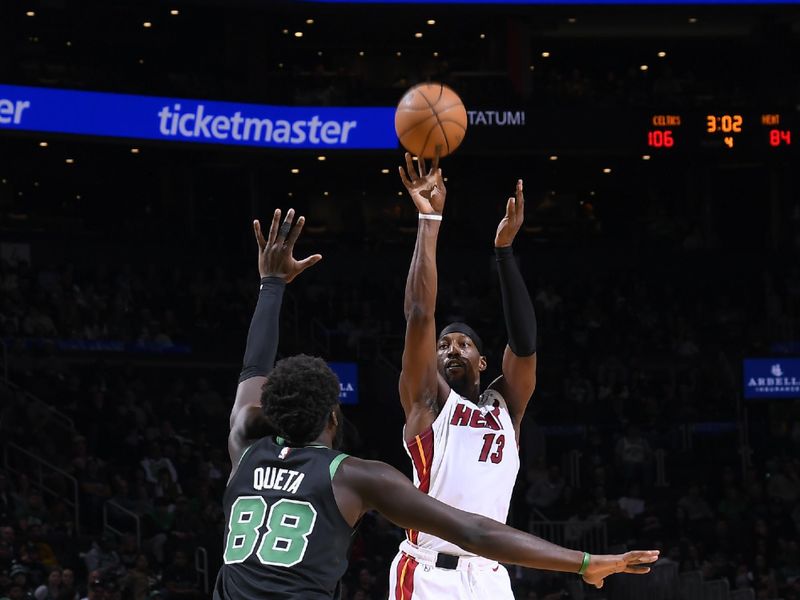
<point>430,115</point>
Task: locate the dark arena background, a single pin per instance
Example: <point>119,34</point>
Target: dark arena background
<point>659,148</point>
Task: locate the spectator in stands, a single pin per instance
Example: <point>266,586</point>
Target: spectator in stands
<point>155,461</point>
<point>180,580</point>
<point>53,588</point>
<point>544,492</point>
<point>139,580</point>
<point>68,585</point>
<point>102,557</point>
<point>7,504</point>
<point>632,504</point>
<point>634,456</point>
<point>8,551</point>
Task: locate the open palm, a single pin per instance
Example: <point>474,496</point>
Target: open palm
<point>426,188</point>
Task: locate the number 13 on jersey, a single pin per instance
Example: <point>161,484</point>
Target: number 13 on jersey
<point>490,441</point>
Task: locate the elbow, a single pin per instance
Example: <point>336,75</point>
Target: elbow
<point>473,536</point>
<point>416,312</point>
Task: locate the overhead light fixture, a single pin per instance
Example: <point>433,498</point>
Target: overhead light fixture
<point>435,54</point>
<point>571,20</point>
<point>545,54</point>
<point>290,194</point>
<point>280,65</point>
<point>418,35</point>
<point>384,171</point>
<point>483,36</point>
<point>643,67</point>
<point>295,171</point>
<point>134,151</point>
<point>298,34</point>
<point>399,193</point>
<point>69,43</point>
<point>645,157</point>
<point>30,13</point>
<point>692,20</point>
<point>320,157</point>
<point>43,144</point>
<point>553,157</point>
<point>174,12</point>
<point>285,31</point>
<point>431,21</point>
<point>77,196</point>
<point>70,161</point>
<point>662,54</point>
<point>325,193</point>
<point>361,53</point>
<point>309,21</point>
<point>532,68</point>
<point>398,53</point>
<point>141,61</point>
<point>147,24</point>
<point>606,170</point>
<point>319,52</point>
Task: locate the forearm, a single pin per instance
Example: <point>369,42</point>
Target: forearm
<point>262,337</point>
<point>499,542</point>
<point>518,308</point>
<point>421,285</point>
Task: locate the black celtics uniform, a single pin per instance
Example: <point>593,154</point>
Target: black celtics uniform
<point>285,537</point>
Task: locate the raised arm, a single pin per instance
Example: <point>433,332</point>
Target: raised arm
<point>419,378</point>
<point>378,486</point>
<point>277,267</point>
<point>519,359</point>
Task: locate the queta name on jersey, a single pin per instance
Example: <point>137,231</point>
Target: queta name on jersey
<point>273,478</point>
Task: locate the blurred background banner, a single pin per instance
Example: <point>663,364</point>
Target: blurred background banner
<point>347,372</point>
<point>771,377</point>
<point>182,120</point>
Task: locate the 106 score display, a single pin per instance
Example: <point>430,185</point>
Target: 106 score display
<point>726,131</point>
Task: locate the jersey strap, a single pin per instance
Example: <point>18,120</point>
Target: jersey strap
<point>336,462</point>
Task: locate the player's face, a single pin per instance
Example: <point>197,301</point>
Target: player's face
<point>460,363</point>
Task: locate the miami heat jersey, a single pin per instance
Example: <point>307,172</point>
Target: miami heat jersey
<point>467,458</point>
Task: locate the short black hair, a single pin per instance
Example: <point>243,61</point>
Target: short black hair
<point>297,397</point>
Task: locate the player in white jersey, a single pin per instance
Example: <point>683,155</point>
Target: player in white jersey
<point>463,443</point>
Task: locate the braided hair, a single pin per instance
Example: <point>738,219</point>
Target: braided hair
<point>298,396</point>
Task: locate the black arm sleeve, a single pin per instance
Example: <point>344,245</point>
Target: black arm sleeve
<point>262,338</point>
<point>517,305</point>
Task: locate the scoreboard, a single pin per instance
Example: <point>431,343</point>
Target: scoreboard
<point>728,131</point>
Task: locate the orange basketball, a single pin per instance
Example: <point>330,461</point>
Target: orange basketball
<point>430,115</point>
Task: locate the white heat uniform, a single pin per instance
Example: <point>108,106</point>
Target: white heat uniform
<point>467,458</point>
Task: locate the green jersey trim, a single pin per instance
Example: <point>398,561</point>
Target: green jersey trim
<point>245,451</point>
<point>336,462</point>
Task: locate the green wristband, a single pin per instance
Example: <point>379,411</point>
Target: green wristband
<point>585,563</point>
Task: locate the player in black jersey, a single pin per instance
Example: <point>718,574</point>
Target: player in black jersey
<point>292,500</point>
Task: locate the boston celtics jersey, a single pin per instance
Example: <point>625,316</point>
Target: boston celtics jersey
<point>285,537</point>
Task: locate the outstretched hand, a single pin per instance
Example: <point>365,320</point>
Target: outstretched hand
<point>425,187</point>
<point>512,221</point>
<point>603,565</point>
<point>275,253</point>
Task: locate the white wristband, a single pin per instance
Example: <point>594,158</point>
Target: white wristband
<point>430,217</point>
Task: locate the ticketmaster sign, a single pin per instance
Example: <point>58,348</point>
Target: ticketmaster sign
<point>771,377</point>
<point>180,120</point>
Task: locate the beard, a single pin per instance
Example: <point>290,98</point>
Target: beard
<point>460,385</point>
